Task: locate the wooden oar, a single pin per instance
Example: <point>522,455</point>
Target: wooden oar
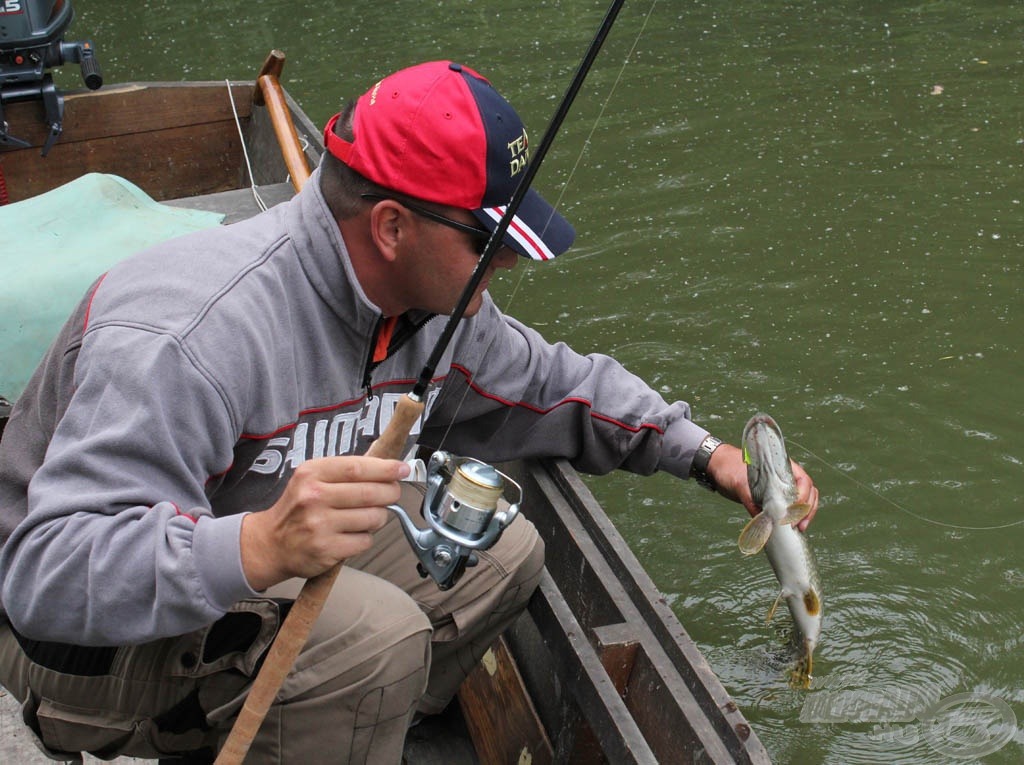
<point>269,93</point>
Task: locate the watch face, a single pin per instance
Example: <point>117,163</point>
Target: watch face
<point>699,467</point>
<point>700,460</point>
<point>709,444</point>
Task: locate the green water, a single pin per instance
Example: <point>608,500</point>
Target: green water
<point>811,209</point>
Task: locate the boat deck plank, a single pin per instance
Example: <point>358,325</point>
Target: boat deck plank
<point>238,204</point>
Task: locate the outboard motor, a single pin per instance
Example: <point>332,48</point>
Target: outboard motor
<point>32,43</point>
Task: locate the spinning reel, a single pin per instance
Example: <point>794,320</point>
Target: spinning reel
<point>31,43</point>
<point>461,510</point>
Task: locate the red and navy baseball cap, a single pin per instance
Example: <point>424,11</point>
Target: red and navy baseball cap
<point>441,133</point>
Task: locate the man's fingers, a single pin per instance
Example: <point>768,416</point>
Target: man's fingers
<point>807,493</point>
<point>356,495</point>
<point>348,482</point>
<point>812,501</point>
<point>355,469</point>
<point>357,520</point>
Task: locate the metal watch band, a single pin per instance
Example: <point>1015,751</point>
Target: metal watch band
<point>699,467</point>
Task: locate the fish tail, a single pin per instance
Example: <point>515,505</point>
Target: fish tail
<point>801,676</point>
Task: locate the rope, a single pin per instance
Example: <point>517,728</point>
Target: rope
<point>245,152</point>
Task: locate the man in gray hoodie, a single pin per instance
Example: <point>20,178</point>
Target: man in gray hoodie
<point>189,449</point>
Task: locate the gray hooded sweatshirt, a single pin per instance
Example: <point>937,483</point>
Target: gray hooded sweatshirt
<point>196,376</point>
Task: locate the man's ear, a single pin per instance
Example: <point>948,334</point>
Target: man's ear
<point>387,227</point>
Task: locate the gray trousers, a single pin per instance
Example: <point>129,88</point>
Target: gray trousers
<point>388,644</point>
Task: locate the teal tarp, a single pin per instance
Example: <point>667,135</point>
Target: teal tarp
<point>53,246</point>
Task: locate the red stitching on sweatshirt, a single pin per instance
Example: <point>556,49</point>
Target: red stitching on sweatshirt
<point>177,511</point>
<point>88,308</point>
<point>327,408</point>
<point>539,410</point>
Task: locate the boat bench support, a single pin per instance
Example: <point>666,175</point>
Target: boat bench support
<point>499,714</point>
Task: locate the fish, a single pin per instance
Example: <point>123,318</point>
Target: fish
<point>773,489</point>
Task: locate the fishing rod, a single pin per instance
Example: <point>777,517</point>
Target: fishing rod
<point>410,406</point>
<point>306,608</point>
<point>497,237</point>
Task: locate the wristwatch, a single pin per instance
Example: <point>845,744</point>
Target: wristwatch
<point>699,466</point>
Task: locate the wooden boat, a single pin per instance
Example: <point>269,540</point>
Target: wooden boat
<point>598,669</point>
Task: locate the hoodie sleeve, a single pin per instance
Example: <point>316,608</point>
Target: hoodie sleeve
<point>511,394</point>
<point>118,544</point>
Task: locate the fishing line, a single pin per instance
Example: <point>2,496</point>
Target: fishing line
<point>558,201</point>
<point>604,106</point>
<point>586,142</point>
<point>898,506</point>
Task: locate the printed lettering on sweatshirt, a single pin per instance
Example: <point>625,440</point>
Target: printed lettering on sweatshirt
<point>333,434</point>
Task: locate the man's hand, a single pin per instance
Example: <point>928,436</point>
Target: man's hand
<point>729,473</point>
<point>328,512</point>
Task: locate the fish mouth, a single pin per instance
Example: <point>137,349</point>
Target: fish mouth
<point>755,423</point>
<point>764,451</point>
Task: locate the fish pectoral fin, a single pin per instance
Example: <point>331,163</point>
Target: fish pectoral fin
<point>755,534</point>
<point>775,605</point>
<point>796,513</point>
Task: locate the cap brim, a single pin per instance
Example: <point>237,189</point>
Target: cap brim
<point>536,232</point>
